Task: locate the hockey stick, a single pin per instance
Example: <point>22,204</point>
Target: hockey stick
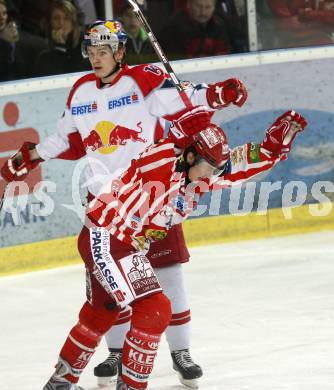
<point>157,48</point>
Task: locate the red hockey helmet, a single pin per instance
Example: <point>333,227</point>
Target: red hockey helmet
<point>211,144</point>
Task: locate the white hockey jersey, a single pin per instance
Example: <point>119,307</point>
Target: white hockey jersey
<point>100,120</point>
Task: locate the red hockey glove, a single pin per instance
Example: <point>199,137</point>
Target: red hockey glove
<point>279,137</point>
<point>188,122</point>
<point>20,164</point>
<point>222,94</point>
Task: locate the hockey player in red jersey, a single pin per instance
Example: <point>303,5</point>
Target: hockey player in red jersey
<point>158,190</point>
<point>111,116</point>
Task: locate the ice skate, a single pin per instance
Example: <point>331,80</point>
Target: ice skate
<point>187,370</point>
<point>107,370</point>
<point>61,384</point>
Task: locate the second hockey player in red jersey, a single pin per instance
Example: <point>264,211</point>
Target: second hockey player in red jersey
<point>157,191</point>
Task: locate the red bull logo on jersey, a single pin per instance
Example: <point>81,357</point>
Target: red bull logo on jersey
<point>85,108</point>
<point>123,101</point>
<point>107,137</point>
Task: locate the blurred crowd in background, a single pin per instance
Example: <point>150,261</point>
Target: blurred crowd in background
<point>43,37</point>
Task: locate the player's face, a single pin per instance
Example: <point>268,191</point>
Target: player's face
<point>201,170</point>
<point>201,10</point>
<point>103,61</point>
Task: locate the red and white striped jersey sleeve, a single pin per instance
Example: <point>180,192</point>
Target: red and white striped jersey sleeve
<point>127,194</point>
<point>246,162</point>
<point>156,163</point>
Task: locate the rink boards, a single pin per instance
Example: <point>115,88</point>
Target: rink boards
<point>200,231</point>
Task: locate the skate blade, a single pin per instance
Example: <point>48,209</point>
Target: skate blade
<point>105,381</point>
<point>191,383</point>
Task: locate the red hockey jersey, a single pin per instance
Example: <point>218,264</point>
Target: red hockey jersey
<point>151,195</point>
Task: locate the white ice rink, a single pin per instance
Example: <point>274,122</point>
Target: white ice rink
<point>263,318</point>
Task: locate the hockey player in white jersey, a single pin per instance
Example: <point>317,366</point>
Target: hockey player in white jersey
<point>110,117</point>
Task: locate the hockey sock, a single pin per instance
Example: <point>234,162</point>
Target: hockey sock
<point>79,347</point>
<point>139,352</point>
<point>179,331</point>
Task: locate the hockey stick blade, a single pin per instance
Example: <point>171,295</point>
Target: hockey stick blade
<point>160,53</point>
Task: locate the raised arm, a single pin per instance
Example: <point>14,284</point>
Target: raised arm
<point>251,159</point>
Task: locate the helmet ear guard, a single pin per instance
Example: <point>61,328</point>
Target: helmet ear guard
<point>104,32</point>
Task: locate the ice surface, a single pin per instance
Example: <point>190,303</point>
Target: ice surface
<point>263,318</point>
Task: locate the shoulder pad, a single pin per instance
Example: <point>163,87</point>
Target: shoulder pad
<point>147,76</point>
<point>84,79</point>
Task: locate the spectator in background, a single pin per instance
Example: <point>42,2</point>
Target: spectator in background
<point>119,4</point>
<point>159,11</point>
<point>303,22</point>
<point>234,14</point>
<point>196,32</point>
<point>29,13</point>
<point>138,47</point>
<point>321,11</point>
<point>63,28</point>
<point>17,48</point>
<point>88,10</point>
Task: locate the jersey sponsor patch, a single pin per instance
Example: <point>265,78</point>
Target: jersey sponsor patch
<point>106,270</point>
<point>254,153</point>
<point>135,222</point>
<point>237,155</point>
<point>122,101</point>
<point>210,138</point>
<point>84,108</point>
<point>140,275</point>
<point>179,203</point>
